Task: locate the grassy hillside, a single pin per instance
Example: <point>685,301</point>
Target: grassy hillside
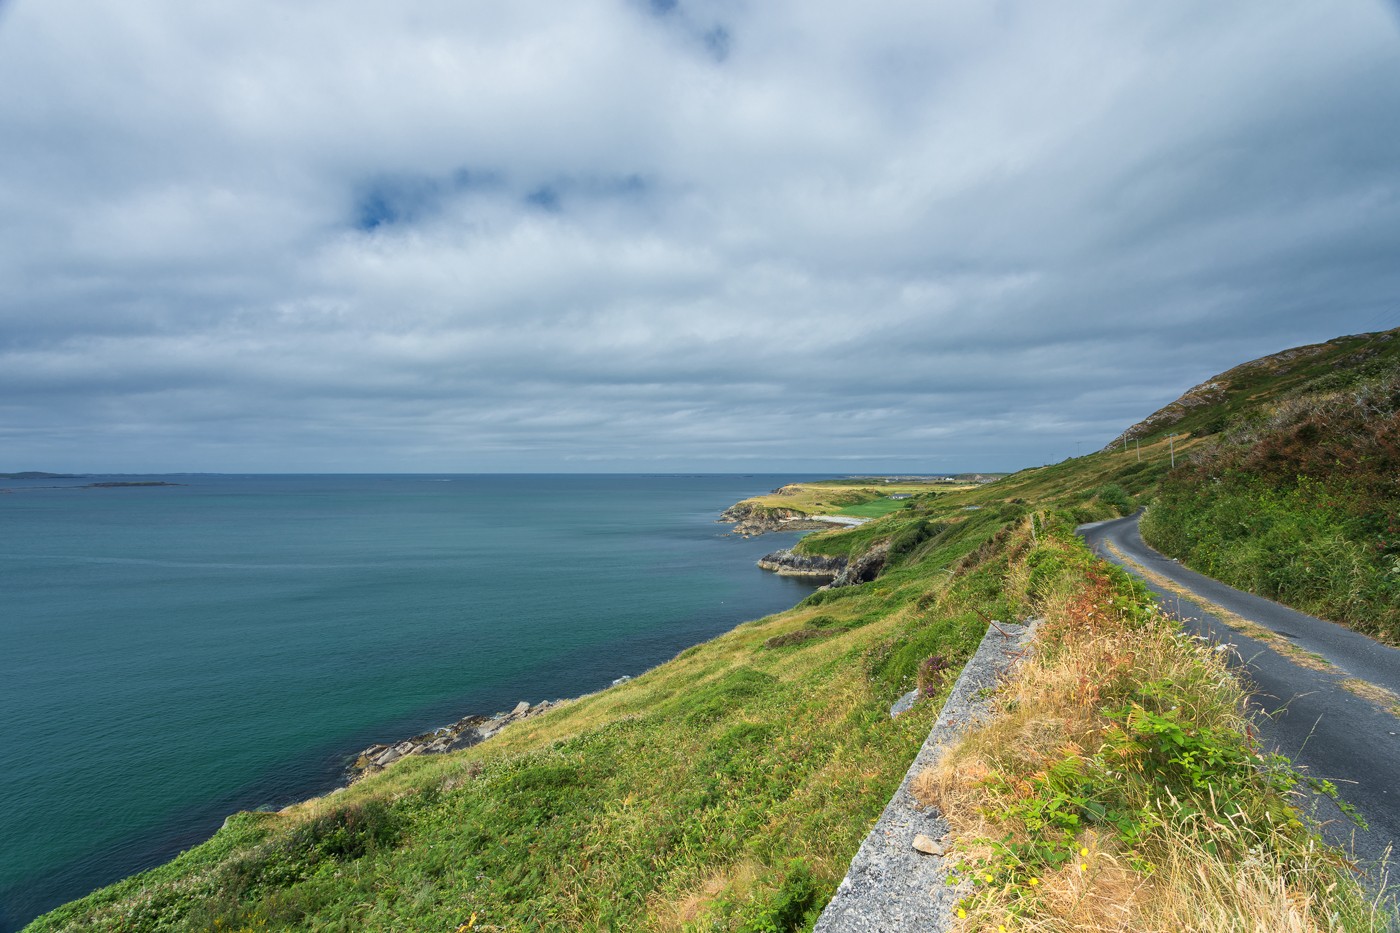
<point>865,498</point>
<point>1298,498</point>
<point>1242,392</point>
<point>729,788</point>
<point>725,790</point>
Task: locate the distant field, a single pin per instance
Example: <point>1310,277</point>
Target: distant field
<point>874,509</point>
<point>832,498</point>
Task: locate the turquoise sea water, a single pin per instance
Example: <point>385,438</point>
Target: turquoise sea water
<point>169,655</point>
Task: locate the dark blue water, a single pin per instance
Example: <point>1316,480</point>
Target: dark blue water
<point>171,654</point>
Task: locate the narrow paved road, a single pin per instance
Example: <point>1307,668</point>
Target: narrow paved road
<point>1307,715</point>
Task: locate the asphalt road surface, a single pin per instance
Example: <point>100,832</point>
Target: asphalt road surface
<point>1327,730</point>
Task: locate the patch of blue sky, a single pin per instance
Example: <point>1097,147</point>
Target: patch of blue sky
<point>554,197</point>
<point>404,199</point>
<point>717,41</point>
<point>387,200</point>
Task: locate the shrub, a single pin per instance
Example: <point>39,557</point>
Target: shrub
<point>1116,496</point>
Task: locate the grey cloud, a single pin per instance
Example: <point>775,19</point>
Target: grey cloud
<point>620,234</point>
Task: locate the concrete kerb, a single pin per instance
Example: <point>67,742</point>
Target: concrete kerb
<point>890,887</point>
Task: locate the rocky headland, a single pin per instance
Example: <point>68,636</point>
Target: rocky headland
<point>787,563</point>
<point>749,518</point>
<point>837,571</point>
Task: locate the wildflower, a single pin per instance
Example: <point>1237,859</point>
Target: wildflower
<point>961,912</point>
<point>1084,852</point>
<point>1035,881</point>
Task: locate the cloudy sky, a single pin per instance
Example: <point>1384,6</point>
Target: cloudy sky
<point>721,235</point>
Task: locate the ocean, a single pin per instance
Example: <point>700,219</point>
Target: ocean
<point>172,654</point>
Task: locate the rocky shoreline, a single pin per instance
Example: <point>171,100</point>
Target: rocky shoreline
<point>838,571</point>
<point>464,733</point>
<point>787,563</point>
<point>749,519</point>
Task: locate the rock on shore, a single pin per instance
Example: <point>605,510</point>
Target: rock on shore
<point>789,564</point>
<point>837,571</point>
<point>463,733</point>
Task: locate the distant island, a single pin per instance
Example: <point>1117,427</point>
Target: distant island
<point>137,483</point>
<point>36,474</point>
<point>105,484</point>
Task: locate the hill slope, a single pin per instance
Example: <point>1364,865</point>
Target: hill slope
<point>728,788</point>
<point>1212,406</point>
<point>1297,497</point>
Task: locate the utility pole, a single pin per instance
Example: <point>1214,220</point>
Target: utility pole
<point>1172,441</point>
<point>1137,442</point>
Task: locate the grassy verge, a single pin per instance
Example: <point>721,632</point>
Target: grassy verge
<point>1299,505</point>
<point>1119,787</point>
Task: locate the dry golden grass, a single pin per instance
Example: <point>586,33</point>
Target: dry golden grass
<point>1093,651</point>
<point>1376,694</point>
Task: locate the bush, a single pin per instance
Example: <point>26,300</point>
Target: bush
<point>1300,506</point>
<point>1118,497</point>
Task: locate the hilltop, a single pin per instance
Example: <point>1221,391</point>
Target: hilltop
<point>1295,495</point>
<point>1212,406</point>
<point>728,788</point>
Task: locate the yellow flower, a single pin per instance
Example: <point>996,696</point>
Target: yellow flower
<point>1083,867</point>
<point>1035,881</point>
<point>1083,851</point>
<point>987,878</point>
<point>961,912</point>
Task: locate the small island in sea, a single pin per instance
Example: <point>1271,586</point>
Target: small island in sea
<point>39,474</point>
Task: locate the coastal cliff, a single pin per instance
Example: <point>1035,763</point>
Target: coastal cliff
<point>788,563</point>
<point>750,518</point>
<point>837,571</point>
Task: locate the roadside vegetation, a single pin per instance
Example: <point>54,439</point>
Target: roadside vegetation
<point>1299,503</point>
<point>1118,788</point>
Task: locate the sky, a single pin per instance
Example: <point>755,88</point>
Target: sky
<point>670,236</point>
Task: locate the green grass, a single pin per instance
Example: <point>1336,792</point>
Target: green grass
<point>846,497</point>
<point>724,790</point>
<point>1302,507</point>
<point>731,784</point>
<point>1118,786</point>
<point>874,509</point>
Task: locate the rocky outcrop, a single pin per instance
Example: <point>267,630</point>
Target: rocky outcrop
<point>840,571</point>
<point>864,568</point>
<point>790,564</point>
<point>750,518</point>
<point>463,733</point>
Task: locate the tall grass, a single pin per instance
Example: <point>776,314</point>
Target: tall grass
<point>1302,506</point>
<point>1118,786</point>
